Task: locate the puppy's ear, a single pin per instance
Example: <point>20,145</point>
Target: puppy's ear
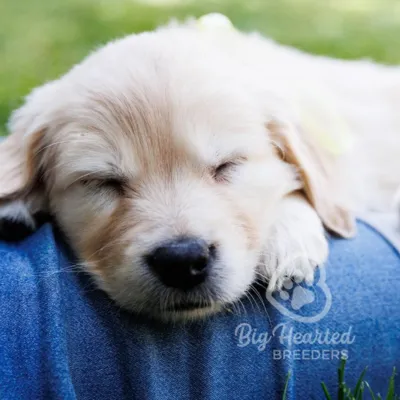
<point>22,194</point>
<point>318,173</point>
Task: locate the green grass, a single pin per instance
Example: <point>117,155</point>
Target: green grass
<point>344,392</point>
<point>41,39</point>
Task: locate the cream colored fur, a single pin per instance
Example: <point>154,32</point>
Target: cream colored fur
<point>159,112</point>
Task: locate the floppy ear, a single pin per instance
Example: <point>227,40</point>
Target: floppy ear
<point>22,194</point>
<point>318,173</point>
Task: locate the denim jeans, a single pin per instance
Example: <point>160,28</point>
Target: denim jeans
<point>61,338</point>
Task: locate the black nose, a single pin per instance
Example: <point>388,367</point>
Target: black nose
<point>182,263</point>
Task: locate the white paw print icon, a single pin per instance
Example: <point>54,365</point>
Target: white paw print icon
<point>293,297</point>
<point>301,296</point>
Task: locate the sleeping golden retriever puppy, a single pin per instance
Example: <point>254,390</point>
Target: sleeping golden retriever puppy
<point>180,169</point>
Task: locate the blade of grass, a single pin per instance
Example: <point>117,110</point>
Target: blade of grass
<point>286,386</point>
<point>341,379</point>
<point>370,391</point>
<point>390,394</point>
<point>325,389</point>
<point>361,394</point>
<point>357,389</point>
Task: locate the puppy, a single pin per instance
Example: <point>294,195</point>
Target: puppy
<point>179,168</point>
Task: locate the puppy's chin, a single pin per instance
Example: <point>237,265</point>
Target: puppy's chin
<point>181,311</point>
<point>188,312</point>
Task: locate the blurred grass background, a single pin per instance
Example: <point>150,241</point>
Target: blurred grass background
<point>41,39</point>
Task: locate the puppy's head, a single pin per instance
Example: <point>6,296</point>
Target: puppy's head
<point>156,159</point>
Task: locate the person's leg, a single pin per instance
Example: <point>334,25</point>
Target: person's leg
<point>353,311</point>
<point>62,338</point>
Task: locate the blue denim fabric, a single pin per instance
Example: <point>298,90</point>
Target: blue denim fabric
<point>60,338</point>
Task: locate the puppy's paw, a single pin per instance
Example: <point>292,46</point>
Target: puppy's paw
<point>296,245</point>
<point>17,222</point>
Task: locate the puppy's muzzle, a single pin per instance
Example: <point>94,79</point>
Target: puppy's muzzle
<point>183,263</point>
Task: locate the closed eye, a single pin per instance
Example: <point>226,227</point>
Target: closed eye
<point>116,184</point>
<point>221,172</point>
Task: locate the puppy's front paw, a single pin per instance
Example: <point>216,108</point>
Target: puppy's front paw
<point>17,222</point>
<point>296,245</point>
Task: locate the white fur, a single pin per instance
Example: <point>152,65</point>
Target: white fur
<point>296,244</point>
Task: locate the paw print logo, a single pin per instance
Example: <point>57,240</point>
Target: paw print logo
<point>303,301</point>
<point>301,296</point>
